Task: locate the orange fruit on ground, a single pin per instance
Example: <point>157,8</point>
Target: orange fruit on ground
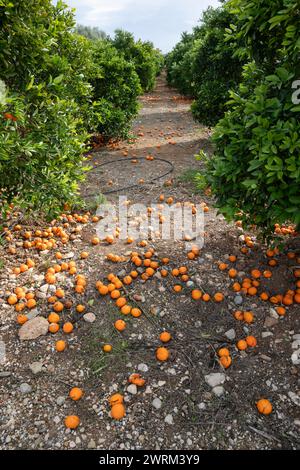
<point>196,294</point>
<point>264,406</point>
<point>218,297</point>
<point>60,345</point>
<point>127,280</point>
<point>120,325</point>
<point>264,296</point>
<point>252,291</point>
<point>80,308</point>
<point>118,411</point>
<point>232,273</point>
<point>12,299</point>
<point>165,337</point>
<point>287,300</point>
<point>115,294</point>
<point>248,317</point>
<point>223,266</point>
<point>58,307</point>
<point>21,319</point>
<point>242,345</point>
<point>255,273</point>
<point>137,380</point>
<point>236,287</point>
<point>75,393</point>
<point>251,341</point>
<point>120,302</point>
<point>281,311</point>
<point>53,318</point>
<point>53,327</point>
<point>232,258</point>
<point>177,288</point>
<point>223,352</point>
<point>136,312</point>
<point>68,327</point>
<point>60,293</point>
<point>95,241</point>
<point>191,255</point>
<point>84,255</point>
<point>126,309</point>
<point>116,399</point>
<point>238,315</point>
<point>175,272</point>
<point>72,422</point>
<point>267,274</point>
<point>103,290</point>
<point>206,297</point>
<point>162,354</point>
<point>107,348</point>
<point>225,361</point>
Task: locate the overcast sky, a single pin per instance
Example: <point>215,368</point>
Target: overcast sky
<point>161,21</point>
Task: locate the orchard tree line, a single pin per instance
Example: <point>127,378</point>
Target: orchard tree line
<point>60,84</point>
<point>240,65</point>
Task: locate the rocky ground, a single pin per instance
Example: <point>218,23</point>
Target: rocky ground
<point>189,401</point>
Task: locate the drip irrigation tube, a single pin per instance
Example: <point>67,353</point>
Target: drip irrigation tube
<point>135,185</point>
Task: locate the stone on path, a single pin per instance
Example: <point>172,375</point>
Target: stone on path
<point>34,328</point>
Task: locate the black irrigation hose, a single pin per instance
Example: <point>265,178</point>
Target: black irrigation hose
<point>135,185</point>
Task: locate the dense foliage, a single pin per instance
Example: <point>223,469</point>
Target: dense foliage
<point>204,67</point>
<point>147,60</point>
<point>60,87</point>
<point>255,172</point>
<point>116,87</point>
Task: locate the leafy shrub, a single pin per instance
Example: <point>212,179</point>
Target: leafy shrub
<point>255,172</point>
<point>203,66</point>
<point>116,88</point>
<point>147,60</point>
<point>41,148</point>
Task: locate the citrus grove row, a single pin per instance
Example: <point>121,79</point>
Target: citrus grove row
<point>57,89</point>
<point>239,65</point>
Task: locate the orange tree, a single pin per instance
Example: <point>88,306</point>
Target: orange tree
<point>59,88</point>
<point>42,116</point>
<point>255,171</point>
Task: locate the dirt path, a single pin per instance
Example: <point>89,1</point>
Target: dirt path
<point>177,408</point>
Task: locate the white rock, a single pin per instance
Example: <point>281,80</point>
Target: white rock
<point>266,334</point>
<point>132,388</point>
<point>295,398</point>
<point>214,379</point>
<point>296,344</point>
<point>296,357</point>
<point>230,334</point>
<point>36,367</point>
<point>157,403</point>
<point>89,317</point>
<point>218,391</point>
<point>25,388</point>
<point>143,367</point>
<point>34,328</point>
<point>169,419</point>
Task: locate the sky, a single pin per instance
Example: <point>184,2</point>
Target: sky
<point>160,21</point>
